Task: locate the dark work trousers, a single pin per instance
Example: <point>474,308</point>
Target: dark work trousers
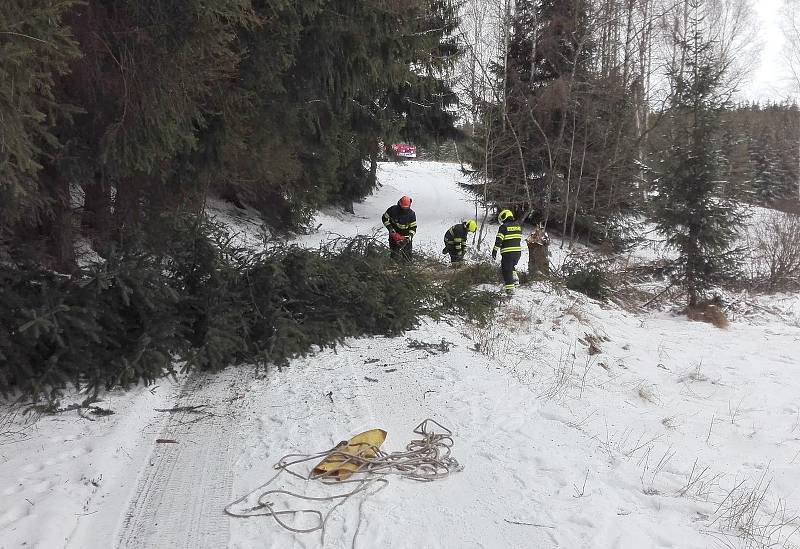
<point>455,256</point>
<point>401,250</point>
<point>507,264</point>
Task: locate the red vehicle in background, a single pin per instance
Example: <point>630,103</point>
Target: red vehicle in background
<point>404,150</point>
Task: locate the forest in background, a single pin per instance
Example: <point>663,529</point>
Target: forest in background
<point>569,105</point>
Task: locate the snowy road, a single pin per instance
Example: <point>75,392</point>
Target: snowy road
<point>185,483</point>
<point>578,425</point>
<point>437,200</point>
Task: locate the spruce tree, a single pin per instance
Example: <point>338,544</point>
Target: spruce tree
<point>688,209</point>
<point>766,179</point>
<point>321,84</point>
<point>143,83</point>
<point>36,47</point>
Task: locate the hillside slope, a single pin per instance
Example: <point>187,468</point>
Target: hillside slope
<point>577,424</point>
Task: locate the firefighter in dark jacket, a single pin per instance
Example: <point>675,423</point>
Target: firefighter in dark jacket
<point>455,240</point>
<point>509,244</point>
<point>401,221</point>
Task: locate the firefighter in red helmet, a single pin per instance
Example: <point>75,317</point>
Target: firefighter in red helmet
<point>401,221</point>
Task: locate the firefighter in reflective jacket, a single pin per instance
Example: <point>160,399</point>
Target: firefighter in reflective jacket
<point>455,240</point>
<point>401,221</point>
<point>509,244</point>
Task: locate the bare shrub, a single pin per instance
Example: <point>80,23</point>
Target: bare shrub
<point>491,339</point>
<point>746,518</point>
<point>496,340</point>
<point>558,384</point>
<point>515,317</point>
<point>775,242</point>
<point>708,312</point>
<point>592,341</point>
<point>13,425</point>
<point>575,311</point>
<point>700,482</point>
<point>622,444</point>
<point>647,393</point>
<point>693,375</point>
<point>651,470</point>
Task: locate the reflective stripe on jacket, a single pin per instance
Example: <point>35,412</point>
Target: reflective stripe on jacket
<point>456,238</point>
<point>509,237</point>
<point>402,221</point>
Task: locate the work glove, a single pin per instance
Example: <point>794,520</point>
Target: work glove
<point>494,254</point>
<point>397,237</point>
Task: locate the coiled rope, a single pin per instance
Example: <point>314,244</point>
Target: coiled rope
<point>424,460</point>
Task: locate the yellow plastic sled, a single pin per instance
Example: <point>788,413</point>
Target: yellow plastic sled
<point>346,458</point>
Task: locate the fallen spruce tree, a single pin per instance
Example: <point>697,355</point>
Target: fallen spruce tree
<point>198,301</point>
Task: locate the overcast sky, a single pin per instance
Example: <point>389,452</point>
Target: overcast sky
<point>768,80</point>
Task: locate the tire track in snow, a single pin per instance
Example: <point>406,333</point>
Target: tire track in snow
<point>184,487</point>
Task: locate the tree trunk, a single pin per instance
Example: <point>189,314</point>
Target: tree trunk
<point>127,208</point>
<point>577,193</point>
<point>538,252</point>
<point>96,218</point>
<point>58,227</point>
<point>569,179</point>
<point>506,38</point>
<point>627,54</point>
<point>534,45</point>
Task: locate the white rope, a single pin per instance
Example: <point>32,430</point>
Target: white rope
<point>424,460</point>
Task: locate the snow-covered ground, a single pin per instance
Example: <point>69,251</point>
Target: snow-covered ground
<point>577,424</point>
<point>436,200</point>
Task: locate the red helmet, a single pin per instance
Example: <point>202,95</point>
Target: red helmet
<point>404,202</point>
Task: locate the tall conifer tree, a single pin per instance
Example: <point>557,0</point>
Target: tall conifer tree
<point>696,220</point>
<point>36,47</point>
